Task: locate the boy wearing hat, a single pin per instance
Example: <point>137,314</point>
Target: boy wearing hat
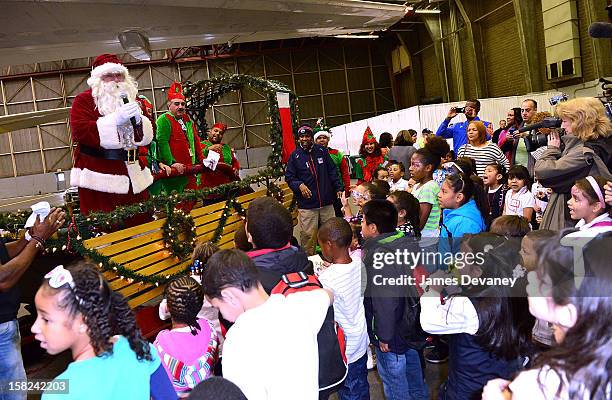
<point>312,175</point>
<point>215,143</point>
<point>321,137</point>
<point>178,141</point>
<point>108,129</point>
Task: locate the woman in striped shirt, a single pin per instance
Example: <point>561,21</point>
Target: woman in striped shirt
<point>481,151</point>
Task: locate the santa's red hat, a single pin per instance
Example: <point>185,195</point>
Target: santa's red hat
<point>175,92</point>
<point>220,125</point>
<point>368,136</point>
<point>107,64</point>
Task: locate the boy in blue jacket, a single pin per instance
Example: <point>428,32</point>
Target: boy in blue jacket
<point>312,175</point>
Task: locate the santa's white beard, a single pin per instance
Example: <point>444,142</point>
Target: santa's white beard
<point>107,95</point>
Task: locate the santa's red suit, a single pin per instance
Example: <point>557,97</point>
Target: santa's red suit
<point>104,181</point>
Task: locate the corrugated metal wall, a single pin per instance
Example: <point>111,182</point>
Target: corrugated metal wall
<point>503,69</point>
<point>342,82</point>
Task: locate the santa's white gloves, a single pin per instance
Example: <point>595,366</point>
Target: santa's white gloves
<point>127,111</point>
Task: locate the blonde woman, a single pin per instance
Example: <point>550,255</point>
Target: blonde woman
<point>585,149</point>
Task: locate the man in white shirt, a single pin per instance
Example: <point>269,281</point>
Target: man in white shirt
<point>271,351</point>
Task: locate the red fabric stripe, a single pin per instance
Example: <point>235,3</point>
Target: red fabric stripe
<point>288,138</point>
<point>256,253</point>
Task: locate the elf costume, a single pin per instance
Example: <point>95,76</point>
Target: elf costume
<point>107,173</point>
<point>178,142</point>
<point>337,157</point>
<point>148,155</point>
<point>366,165</point>
<point>227,153</point>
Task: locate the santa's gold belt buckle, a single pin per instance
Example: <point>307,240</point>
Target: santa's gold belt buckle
<point>132,155</point>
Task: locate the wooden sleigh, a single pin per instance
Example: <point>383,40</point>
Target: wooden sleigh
<point>142,249</point>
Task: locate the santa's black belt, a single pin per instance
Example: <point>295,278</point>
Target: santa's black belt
<point>110,154</point>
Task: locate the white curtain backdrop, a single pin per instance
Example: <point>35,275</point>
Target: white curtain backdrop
<point>348,137</point>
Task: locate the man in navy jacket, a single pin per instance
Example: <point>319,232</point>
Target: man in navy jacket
<point>311,174</point>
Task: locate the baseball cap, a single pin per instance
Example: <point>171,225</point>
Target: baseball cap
<point>305,130</point>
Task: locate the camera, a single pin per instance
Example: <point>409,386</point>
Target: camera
<point>460,110</point>
<point>606,97</point>
<point>535,140</point>
<point>557,99</point>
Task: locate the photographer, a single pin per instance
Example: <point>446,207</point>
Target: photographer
<point>458,132</point>
<point>585,149</point>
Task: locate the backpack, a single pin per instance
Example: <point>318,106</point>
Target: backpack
<point>410,324</point>
<point>333,365</point>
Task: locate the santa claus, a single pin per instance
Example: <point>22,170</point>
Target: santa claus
<point>107,128</point>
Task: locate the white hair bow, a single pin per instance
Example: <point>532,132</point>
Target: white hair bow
<point>59,276</point>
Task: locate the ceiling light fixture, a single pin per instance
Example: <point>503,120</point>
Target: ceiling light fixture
<point>427,11</point>
<point>136,44</point>
<point>357,36</point>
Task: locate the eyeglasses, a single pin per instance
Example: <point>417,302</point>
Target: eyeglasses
<point>359,196</point>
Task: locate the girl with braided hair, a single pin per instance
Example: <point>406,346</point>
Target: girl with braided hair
<point>77,310</point>
<point>189,350</point>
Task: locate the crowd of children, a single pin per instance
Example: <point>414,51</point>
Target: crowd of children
<point>544,336</point>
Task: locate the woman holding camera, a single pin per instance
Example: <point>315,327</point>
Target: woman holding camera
<point>585,149</point>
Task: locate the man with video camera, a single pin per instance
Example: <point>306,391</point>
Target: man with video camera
<point>583,148</point>
<point>458,132</point>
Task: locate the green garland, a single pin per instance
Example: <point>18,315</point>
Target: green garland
<point>200,96</point>
<point>12,222</point>
<point>171,236</point>
<point>159,202</point>
<point>106,264</point>
<point>175,218</point>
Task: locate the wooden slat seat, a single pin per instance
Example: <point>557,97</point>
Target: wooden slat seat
<point>141,248</point>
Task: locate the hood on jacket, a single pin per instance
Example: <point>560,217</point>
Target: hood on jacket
<point>273,265</point>
<point>469,210</point>
<point>283,261</point>
<point>602,148</point>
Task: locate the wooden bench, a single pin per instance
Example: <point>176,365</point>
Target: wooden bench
<point>142,249</point>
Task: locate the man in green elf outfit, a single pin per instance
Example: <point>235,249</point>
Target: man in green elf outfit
<point>322,137</point>
<point>215,143</point>
<point>178,142</point>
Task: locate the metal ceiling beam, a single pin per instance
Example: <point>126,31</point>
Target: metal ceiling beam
<point>525,17</point>
<point>471,47</point>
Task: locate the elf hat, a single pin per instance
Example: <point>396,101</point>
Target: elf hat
<point>175,92</point>
<point>322,133</point>
<point>107,64</point>
<point>221,126</point>
<point>368,137</point>
<point>321,130</point>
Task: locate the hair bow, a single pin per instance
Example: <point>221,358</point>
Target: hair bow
<point>60,276</point>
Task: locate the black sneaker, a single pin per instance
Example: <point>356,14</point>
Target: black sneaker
<point>437,355</point>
